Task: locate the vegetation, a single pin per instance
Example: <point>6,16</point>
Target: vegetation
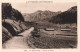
<point>69,16</point>
<point>10,13</point>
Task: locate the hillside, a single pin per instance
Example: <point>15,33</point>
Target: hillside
<point>8,12</point>
<point>69,16</point>
<point>12,22</point>
<point>39,15</point>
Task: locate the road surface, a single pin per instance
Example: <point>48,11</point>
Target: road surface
<point>19,42</point>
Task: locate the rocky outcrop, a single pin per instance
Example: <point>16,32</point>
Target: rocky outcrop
<point>13,26</point>
<point>6,35</point>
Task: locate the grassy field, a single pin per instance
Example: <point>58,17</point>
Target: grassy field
<point>49,40</point>
<point>56,38</point>
<point>46,41</point>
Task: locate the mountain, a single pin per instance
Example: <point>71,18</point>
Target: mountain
<point>69,16</point>
<point>73,9</point>
<point>10,13</point>
<point>39,15</point>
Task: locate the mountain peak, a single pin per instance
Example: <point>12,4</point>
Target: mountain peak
<point>72,9</point>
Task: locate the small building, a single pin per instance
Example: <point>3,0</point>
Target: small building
<point>49,29</point>
<point>64,29</point>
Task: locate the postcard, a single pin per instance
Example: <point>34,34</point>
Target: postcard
<point>40,25</point>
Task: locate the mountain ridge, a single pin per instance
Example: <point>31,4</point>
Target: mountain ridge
<point>69,16</point>
<point>39,15</point>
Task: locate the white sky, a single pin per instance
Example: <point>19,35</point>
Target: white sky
<point>32,7</point>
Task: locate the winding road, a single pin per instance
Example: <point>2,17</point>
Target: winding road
<point>19,42</point>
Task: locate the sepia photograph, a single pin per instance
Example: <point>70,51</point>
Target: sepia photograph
<point>40,25</point>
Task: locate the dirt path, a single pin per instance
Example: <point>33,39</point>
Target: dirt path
<point>19,42</point>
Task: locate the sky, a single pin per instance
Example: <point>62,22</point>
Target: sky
<point>24,7</point>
